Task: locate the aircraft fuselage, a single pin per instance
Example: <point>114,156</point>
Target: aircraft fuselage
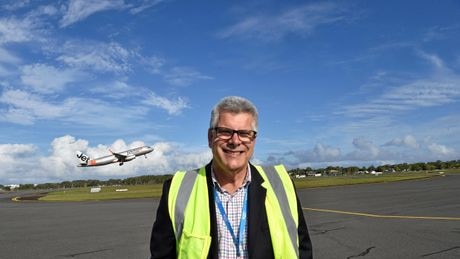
<point>115,157</point>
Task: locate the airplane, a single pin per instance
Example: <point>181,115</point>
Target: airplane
<point>115,157</point>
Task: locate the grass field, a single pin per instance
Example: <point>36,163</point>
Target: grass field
<point>314,182</point>
<point>154,191</point>
<point>106,193</point>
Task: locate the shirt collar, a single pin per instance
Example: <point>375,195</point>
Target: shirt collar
<point>247,179</point>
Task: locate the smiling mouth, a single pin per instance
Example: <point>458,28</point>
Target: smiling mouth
<point>233,152</point>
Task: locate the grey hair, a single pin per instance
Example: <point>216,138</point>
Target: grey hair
<point>234,104</point>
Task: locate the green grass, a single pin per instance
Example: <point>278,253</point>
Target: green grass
<point>154,190</point>
<point>106,193</point>
<point>314,182</point>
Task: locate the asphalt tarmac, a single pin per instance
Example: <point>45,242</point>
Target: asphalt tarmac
<point>411,219</point>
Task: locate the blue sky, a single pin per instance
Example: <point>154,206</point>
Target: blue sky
<point>335,82</point>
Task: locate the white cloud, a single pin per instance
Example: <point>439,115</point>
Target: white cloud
<point>433,59</point>
<point>299,20</point>
<point>16,159</point>
<point>144,5</point>
<point>171,106</point>
<point>325,153</point>
<point>407,141</point>
<point>442,150</point>
<point>421,93</point>
<point>78,10</point>
<point>14,5</point>
<point>7,57</point>
<point>48,79</point>
<point>117,90</point>
<point>25,108</point>
<point>364,148</point>
<point>87,55</point>
<point>14,30</point>
<point>184,76</point>
<point>365,152</point>
<point>22,164</point>
<point>13,150</point>
<point>153,64</point>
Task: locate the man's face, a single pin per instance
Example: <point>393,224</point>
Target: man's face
<point>233,154</point>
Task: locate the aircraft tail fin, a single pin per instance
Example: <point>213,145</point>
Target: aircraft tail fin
<point>83,158</point>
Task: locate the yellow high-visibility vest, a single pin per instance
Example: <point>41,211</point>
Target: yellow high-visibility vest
<point>188,205</point>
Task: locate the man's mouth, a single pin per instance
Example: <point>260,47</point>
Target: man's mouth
<point>233,152</point>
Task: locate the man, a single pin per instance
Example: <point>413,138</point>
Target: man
<point>231,208</point>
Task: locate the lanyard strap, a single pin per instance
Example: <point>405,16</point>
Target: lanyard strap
<point>242,228</point>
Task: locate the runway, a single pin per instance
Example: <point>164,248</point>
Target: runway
<point>411,219</point>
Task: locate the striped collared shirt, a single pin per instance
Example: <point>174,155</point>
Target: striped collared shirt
<point>233,205</point>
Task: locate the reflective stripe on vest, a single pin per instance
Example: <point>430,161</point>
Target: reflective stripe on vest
<point>188,205</point>
<point>281,207</point>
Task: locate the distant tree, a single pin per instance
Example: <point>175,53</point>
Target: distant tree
<point>27,186</point>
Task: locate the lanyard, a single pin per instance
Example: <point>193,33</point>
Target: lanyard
<point>242,228</point>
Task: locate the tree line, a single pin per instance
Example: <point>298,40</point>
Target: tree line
<point>144,179</point>
<point>404,167</point>
<point>330,170</point>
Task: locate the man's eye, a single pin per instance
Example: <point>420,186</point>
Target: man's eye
<point>244,134</point>
<point>226,132</point>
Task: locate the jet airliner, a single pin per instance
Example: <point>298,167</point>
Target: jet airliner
<point>115,157</point>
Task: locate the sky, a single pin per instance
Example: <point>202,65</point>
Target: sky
<point>336,83</point>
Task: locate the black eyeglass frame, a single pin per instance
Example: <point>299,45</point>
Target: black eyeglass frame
<point>251,134</point>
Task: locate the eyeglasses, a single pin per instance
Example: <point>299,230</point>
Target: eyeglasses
<point>226,134</point>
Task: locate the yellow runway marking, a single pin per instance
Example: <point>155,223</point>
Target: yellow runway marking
<point>382,216</point>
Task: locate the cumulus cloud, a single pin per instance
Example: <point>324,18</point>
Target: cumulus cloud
<point>14,159</point>
<point>441,150</point>
<point>406,141</point>
<point>23,164</point>
<point>13,150</point>
<point>365,152</point>
<point>325,153</point>
<point>365,145</point>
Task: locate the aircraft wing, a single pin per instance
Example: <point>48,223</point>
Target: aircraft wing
<point>119,156</point>
<point>123,158</point>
